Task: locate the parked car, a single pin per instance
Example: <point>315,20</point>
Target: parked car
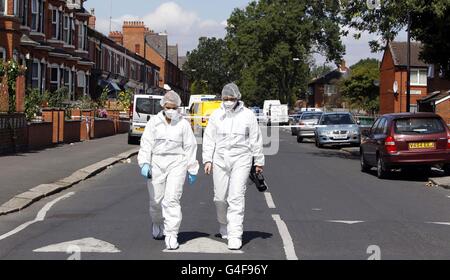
<point>406,140</point>
<point>337,129</point>
<point>144,107</point>
<point>307,125</point>
<point>294,120</point>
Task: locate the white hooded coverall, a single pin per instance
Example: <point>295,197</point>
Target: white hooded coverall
<point>231,140</point>
<point>170,150</point>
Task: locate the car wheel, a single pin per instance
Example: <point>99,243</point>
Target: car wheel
<point>446,169</point>
<point>293,132</point>
<point>318,145</point>
<point>382,171</point>
<point>131,140</point>
<point>299,139</point>
<point>364,166</point>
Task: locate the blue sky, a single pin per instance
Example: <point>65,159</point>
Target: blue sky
<point>187,20</point>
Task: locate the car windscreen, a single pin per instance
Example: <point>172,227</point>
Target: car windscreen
<point>148,106</point>
<point>419,126</point>
<point>337,119</point>
<point>311,116</point>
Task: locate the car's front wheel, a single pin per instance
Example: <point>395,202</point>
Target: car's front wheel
<point>382,171</point>
<point>318,145</point>
<point>299,139</point>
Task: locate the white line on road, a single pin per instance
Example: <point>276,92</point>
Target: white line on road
<point>439,223</point>
<point>269,200</point>
<point>39,217</point>
<point>85,245</point>
<point>345,222</point>
<point>286,237</point>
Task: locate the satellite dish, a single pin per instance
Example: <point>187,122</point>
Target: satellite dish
<point>395,87</point>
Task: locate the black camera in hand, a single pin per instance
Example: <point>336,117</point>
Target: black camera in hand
<point>258,179</point>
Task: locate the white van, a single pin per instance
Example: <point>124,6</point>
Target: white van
<point>144,107</point>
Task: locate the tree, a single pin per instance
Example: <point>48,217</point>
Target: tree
<point>207,63</point>
<point>429,25</point>
<point>271,43</point>
<point>360,89</point>
<point>319,71</point>
<point>199,88</point>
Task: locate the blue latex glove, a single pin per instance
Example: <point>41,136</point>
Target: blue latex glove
<point>192,179</point>
<point>146,170</point>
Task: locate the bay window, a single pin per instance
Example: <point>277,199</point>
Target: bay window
<point>37,16</point>
<point>81,81</point>
<point>82,36</point>
<point>55,24</point>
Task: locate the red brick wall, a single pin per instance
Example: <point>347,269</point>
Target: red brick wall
<point>387,78</point>
<point>443,109</point>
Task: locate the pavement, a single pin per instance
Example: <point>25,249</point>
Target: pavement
<point>50,170</point>
<point>319,206</point>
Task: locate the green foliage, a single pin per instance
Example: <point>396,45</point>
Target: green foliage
<point>86,103</point>
<point>264,38</point>
<point>12,70</point>
<point>429,25</point>
<point>359,90</point>
<point>124,98</point>
<point>33,103</point>
<point>319,71</point>
<point>57,98</point>
<point>207,63</point>
<point>199,87</point>
<point>103,98</point>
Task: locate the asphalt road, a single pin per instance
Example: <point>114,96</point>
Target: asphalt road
<point>320,207</point>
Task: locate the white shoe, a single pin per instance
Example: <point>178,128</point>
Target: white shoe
<point>158,231</point>
<point>234,243</point>
<point>223,231</point>
<point>171,242</point>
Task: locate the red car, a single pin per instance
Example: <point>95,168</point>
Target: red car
<point>417,140</point>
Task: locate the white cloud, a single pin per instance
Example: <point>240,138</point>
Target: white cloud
<point>184,27</point>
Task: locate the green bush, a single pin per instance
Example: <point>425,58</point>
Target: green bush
<point>33,102</point>
<point>57,98</point>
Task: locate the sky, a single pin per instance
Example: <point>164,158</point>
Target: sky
<point>187,20</point>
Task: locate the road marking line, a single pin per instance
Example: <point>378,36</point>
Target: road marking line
<point>316,209</point>
<point>439,223</point>
<point>345,222</point>
<point>85,245</point>
<point>288,244</point>
<point>39,217</point>
<point>269,200</point>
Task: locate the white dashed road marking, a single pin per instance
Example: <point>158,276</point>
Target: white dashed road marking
<point>345,222</point>
<point>269,200</point>
<point>39,217</point>
<point>439,223</point>
<point>288,244</point>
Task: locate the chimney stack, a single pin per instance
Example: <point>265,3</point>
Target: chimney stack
<point>92,19</point>
<point>117,37</point>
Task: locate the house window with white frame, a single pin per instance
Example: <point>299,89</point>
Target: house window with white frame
<point>37,16</point>
<point>36,75</point>
<point>55,24</point>
<point>68,80</point>
<point>81,81</point>
<point>419,77</point>
<point>66,29</point>
<point>82,36</point>
<point>55,77</point>
<point>330,89</point>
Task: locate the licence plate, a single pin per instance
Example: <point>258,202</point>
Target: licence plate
<point>422,145</point>
<point>340,136</point>
<point>140,129</point>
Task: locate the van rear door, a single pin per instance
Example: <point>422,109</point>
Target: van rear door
<point>144,108</point>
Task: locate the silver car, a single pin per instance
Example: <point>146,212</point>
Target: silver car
<point>337,129</point>
<point>307,125</point>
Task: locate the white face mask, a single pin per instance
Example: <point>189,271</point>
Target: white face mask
<point>171,114</point>
<point>229,105</point>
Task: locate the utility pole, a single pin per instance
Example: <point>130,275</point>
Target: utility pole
<point>145,62</point>
<point>408,68</point>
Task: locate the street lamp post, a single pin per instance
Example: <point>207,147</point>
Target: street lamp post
<point>408,67</point>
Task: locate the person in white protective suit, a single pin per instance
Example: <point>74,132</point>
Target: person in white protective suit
<point>231,140</point>
<point>168,150</point>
